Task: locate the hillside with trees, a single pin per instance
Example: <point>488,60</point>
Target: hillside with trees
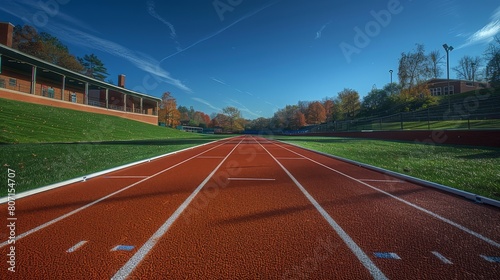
<point>415,68</point>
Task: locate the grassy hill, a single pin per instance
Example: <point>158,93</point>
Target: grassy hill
<point>31,123</point>
<point>46,145</point>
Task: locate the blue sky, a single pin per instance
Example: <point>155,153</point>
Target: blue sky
<point>258,55</point>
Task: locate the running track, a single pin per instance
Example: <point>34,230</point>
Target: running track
<point>251,208</point>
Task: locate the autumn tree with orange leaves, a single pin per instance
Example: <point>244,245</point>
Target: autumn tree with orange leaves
<point>168,110</point>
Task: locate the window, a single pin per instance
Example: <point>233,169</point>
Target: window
<point>73,97</point>
<point>2,83</point>
<point>12,82</point>
<point>451,91</point>
<point>435,91</point>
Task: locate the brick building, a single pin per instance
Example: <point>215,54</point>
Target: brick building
<point>439,87</point>
<point>27,78</point>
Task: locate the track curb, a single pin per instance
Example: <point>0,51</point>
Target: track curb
<point>467,195</point>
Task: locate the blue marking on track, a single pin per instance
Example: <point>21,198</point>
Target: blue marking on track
<point>386,255</point>
<point>123,248</point>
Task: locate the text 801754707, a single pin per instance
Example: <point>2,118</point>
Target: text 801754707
<point>11,219</point>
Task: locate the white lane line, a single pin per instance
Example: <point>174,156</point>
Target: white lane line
<point>218,157</point>
<point>442,258</point>
<point>362,256</point>
<point>125,177</point>
<point>382,181</point>
<point>289,158</point>
<point>491,259</point>
<point>251,179</point>
<point>441,218</point>
<point>33,230</point>
<point>76,247</point>
<point>137,258</point>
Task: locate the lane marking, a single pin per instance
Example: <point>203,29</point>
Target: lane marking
<point>137,258</point>
<point>251,179</point>
<point>491,259</point>
<point>358,252</point>
<point>125,177</point>
<point>289,158</point>
<point>76,247</point>
<point>33,230</point>
<point>122,248</point>
<point>218,157</point>
<point>442,258</point>
<point>437,216</point>
<point>383,181</point>
<point>387,255</point>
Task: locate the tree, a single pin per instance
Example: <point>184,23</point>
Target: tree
<point>184,112</point>
<point>413,73</point>
<point>259,124</point>
<point>168,110</point>
<point>94,67</point>
<point>284,118</point>
<point>467,68</point>
<point>435,60</point>
<point>220,120</point>
<point>316,113</point>
<point>493,65</point>
<point>374,102</point>
<point>234,120</point>
<point>329,105</point>
<point>413,68</point>
<point>44,46</point>
<point>299,120</point>
<point>349,104</point>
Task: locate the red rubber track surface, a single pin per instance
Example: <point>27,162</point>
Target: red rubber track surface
<point>250,208</point>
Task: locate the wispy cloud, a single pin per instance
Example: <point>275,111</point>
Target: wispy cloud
<point>485,34</point>
<point>140,60</point>
<point>243,108</point>
<point>218,81</point>
<point>320,31</point>
<point>203,101</point>
<point>173,35</point>
<point>230,86</point>
<point>27,11</point>
<point>220,31</point>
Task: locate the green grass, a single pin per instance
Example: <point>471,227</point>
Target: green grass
<point>32,123</point>
<point>467,168</point>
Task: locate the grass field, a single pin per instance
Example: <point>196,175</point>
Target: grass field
<point>466,168</point>
<point>32,123</point>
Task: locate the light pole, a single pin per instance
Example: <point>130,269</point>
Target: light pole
<point>390,71</point>
<point>448,49</point>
